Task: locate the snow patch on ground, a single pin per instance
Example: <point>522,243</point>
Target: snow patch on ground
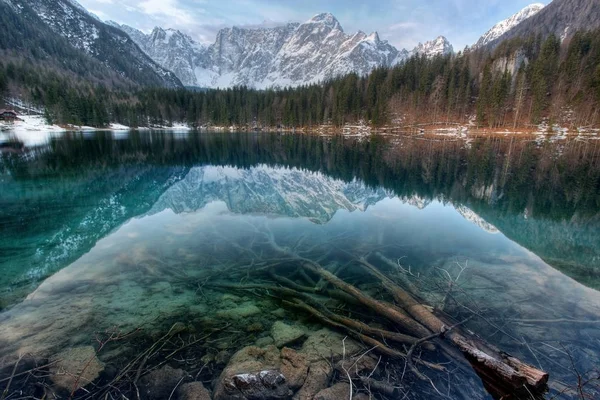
<point>32,130</point>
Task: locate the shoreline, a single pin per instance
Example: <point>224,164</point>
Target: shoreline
<point>31,129</point>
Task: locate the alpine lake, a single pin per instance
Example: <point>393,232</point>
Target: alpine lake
<point>189,265</point>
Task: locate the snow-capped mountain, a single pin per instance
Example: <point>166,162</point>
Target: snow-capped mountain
<point>504,26</point>
<point>87,33</point>
<point>289,55</point>
<point>436,47</point>
<point>475,218</point>
<point>560,17</point>
<point>265,190</point>
<point>281,192</point>
<point>170,48</point>
<point>416,201</point>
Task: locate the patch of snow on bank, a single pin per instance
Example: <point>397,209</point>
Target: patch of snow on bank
<point>32,130</point>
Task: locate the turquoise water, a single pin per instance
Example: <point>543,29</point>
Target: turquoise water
<point>136,232</point>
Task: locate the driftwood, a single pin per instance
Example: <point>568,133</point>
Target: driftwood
<point>406,323</point>
<point>499,371</point>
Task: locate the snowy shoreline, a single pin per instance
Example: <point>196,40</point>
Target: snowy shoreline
<point>33,130</point>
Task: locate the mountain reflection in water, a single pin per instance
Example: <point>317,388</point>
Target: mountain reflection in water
<point>546,198</point>
<point>99,232</point>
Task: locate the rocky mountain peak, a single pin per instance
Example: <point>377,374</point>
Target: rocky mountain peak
<point>374,37</point>
<point>436,47</point>
<point>104,42</point>
<point>288,55</point>
<point>505,25</point>
<point>326,19</point>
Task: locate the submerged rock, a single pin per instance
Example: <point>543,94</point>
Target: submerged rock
<point>75,368</point>
<point>284,334</point>
<point>252,373</point>
<point>255,327</point>
<point>339,391</point>
<point>193,391</point>
<point>326,343</point>
<point>263,385</point>
<point>159,384</point>
<point>317,379</point>
<point>280,312</point>
<point>264,341</point>
<point>356,365</point>
<point>294,367</point>
<point>241,311</point>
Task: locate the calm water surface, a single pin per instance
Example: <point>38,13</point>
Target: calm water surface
<point>133,233</point>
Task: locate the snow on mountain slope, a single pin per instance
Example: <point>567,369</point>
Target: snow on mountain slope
<point>274,191</point>
<point>473,217</point>
<point>319,50</point>
<point>289,55</point>
<point>560,17</point>
<point>504,26</point>
<point>110,46</point>
<point>436,47</point>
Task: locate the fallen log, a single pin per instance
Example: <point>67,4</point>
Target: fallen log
<point>501,373</point>
<point>406,323</point>
<point>376,344</point>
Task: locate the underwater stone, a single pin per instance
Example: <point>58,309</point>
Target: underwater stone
<point>356,365</point>
<point>243,311</point>
<point>284,334</point>
<point>255,327</point>
<point>75,368</point>
<point>280,312</point>
<point>198,309</point>
<point>338,391</point>
<point>327,343</point>
<point>231,297</point>
<point>265,385</point>
<point>264,341</point>
<point>294,367</point>
<point>252,361</point>
<point>222,357</point>
<point>317,379</point>
<point>193,391</point>
<point>158,385</point>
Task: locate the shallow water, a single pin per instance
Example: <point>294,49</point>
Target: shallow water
<point>134,233</point>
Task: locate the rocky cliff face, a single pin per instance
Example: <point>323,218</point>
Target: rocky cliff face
<point>289,55</point>
<point>561,18</point>
<point>439,46</point>
<point>105,43</point>
<point>505,25</point>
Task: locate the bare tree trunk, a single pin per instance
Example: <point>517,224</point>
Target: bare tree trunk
<point>500,371</point>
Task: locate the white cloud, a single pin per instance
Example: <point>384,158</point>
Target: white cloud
<point>170,9</point>
<point>99,14</point>
<point>404,25</point>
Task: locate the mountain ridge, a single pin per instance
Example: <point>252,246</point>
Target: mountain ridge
<point>507,24</point>
<point>293,54</point>
<point>560,17</point>
<point>86,33</point>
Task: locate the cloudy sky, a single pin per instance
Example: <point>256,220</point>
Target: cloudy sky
<point>403,22</point>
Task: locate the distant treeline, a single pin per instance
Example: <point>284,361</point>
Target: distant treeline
<point>523,81</point>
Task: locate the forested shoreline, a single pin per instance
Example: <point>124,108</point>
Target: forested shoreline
<point>520,83</point>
